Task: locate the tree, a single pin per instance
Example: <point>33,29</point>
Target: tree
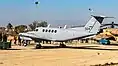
<point>43,24</point>
<point>9,26</point>
<point>20,28</point>
<point>38,24</point>
<point>33,25</point>
<point>2,29</point>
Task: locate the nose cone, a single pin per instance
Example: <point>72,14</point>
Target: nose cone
<point>22,34</point>
<point>27,35</point>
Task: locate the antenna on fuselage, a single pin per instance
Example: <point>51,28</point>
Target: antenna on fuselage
<point>48,25</point>
<point>65,26</point>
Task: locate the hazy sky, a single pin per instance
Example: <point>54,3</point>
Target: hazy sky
<point>56,12</point>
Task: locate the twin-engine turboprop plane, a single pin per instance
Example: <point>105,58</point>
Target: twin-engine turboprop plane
<point>65,34</point>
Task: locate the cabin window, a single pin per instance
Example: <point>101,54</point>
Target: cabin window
<point>55,31</point>
<point>43,30</point>
<point>46,30</point>
<point>36,30</point>
<point>49,31</point>
<point>52,31</point>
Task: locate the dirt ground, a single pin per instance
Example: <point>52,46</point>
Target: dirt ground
<point>76,55</point>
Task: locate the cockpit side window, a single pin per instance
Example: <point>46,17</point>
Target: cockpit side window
<point>36,30</point>
<point>55,31</point>
<point>43,30</point>
<point>52,31</point>
<point>49,31</point>
<point>46,30</point>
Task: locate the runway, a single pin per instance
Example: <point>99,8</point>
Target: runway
<point>73,55</point>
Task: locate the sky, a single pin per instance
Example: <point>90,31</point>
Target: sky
<point>55,12</point>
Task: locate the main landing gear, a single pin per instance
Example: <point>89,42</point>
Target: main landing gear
<point>38,46</point>
<point>62,45</point>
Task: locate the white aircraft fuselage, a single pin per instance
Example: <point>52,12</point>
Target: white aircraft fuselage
<point>65,34</point>
<point>57,34</point>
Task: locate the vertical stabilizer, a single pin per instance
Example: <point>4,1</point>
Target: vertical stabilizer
<point>94,24</point>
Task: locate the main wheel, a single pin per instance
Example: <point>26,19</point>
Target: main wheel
<point>62,46</point>
<point>38,46</point>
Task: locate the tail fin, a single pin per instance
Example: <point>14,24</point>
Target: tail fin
<point>94,23</point>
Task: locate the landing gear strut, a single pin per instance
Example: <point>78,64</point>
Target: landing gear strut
<point>38,46</point>
<point>62,45</point>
